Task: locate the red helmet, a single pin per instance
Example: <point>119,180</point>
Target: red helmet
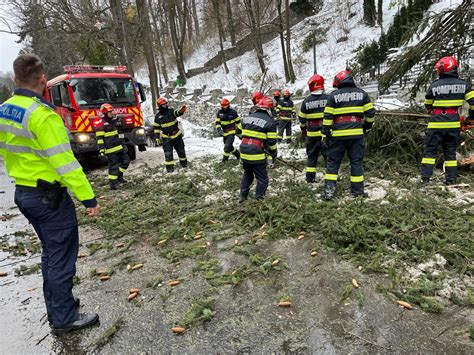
<point>256,96</point>
<point>225,103</point>
<point>266,102</point>
<point>340,77</point>
<point>277,93</point>
<point>161,101</point>
<point>286,93</point>
<point>316,82</point>
<point>446,64</point>
<point>106,108</point>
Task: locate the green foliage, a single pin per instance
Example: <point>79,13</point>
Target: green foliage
<point>5,93</point>
<point>314,37</point>
<point>370,13</point>
<point>201,310</point>
<point>96,53</point>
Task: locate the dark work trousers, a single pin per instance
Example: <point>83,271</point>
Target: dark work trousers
<point>118,163</point>
<point>336,150</point>
<point>251,171</point>
<point>178,145</point>
<point>57,230</point>
<point>313,149</point>
<point>229,146</point>
<point>449,141</point>
<point>284,125</point>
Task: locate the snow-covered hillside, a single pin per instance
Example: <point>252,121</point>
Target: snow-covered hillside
<point>334,20</point>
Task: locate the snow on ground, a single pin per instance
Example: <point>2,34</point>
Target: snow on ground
<point>389,102</point>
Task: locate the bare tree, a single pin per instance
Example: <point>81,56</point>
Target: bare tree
<point>380,12</point>
<point>220,30</point>
<point>195,17</point>
<point>291,71</point>
<point>119,29</point>
<point>252,9</point>
<point>144,16</point>
<point>230,22</point>
<point>177,40</point>
<point>157,35</point>
<point>282,40</point>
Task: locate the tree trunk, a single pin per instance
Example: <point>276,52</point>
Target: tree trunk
<point>145,29</point>
<point>117,11</point>
<point>380,12</point>
<point>154,16</point>
<point>175,40</point>
<point>189,21</point>
<point>195,17</point>
<point>230,23</point>
<point>255,30</point>
<point>291,71</point>
<point>220,29</point>
<point>282,40</point>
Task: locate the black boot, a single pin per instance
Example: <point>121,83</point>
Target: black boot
<point>83,320</point>
<point>184,163</point>
<point>243,197</point>
<point>310,177</point>
<point>425,181</point>
<point>121,180</point>
<point>113,184</point>
<point>329,192</point>
<point>169,168</point>
<point>77,304</point>
<point>225,159</point>
<point>360,194</point>
<point>450,182</point>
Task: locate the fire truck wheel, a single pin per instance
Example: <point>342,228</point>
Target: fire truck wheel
<point>132,152</point>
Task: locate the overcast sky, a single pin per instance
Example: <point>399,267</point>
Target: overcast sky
<point>8,51</point>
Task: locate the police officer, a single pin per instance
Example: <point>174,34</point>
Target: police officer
<point>226,120</point>
<point>37,154</point>
<point>166,125</point>
<point>110,145</point>
<point>443,100</point>
<point>344,128</point>
<point>311,120</point>
<point>258,131</point>
<point>286,112</point>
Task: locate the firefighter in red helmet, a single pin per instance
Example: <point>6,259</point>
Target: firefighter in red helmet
<point>348,115</point>
<point>311,121</point>
<point>443,100</point>
<point>111,145</point>
<point>286,112</point>
<point>226,121</point>
<point>258,132</point>
<point>166,126</point>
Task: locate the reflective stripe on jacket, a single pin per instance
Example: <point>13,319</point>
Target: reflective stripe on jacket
<point>348,101</point>
<point>448,92</point>
<point>261,128</point>
<point>34,144</point>
<point>227,120</point>
<point>312,113</point>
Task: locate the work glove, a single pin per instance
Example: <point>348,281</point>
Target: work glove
<point>304,133</point>
<point>293,115</point>
<point>183,109</point>
<point>325,139</point>
<point>158,141</point>
<point>220,131</point>
<point>366,127</point>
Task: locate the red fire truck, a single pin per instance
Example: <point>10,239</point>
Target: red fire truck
<point>78,95</point>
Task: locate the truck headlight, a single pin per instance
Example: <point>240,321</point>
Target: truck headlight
<point>82,138</point>
<point>140,132</point>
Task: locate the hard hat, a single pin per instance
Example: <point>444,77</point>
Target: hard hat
<point>286,93</point>
<point>106,108</point>
<point>316,82</point>
<point>341,77</point>
<point>265,102</point>
<point>225,103</point>
<point>277,93</point>
<point>256,96</point>
<point>446,64</point>
<point>161,101</point>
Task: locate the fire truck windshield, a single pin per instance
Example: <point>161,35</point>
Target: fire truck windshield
<point>92,92</point>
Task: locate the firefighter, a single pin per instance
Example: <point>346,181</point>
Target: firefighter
<point>226,121</point>
<point>166,126</point>
<point>256,97</point>
<point>343,130</point>
<point>311,120</point>
<point>111,146</point>
<point>37,153</point>
<point>286,112</point>
<point>258,131</point>
<point>443,100</point>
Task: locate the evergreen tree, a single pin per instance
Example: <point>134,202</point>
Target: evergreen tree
<point>4,93</point>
